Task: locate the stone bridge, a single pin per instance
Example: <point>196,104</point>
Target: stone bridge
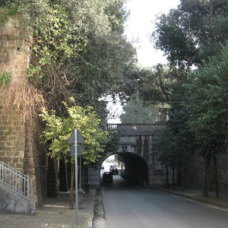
<point>136,147</point>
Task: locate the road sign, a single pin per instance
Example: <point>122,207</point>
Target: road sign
<point>76,137</point>
<point>79,150</point>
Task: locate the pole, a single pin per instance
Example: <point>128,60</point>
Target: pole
<point>80,179</point>
<point>75,139</point>
<point>76,174</point>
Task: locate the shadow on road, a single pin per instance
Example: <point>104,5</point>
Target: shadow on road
<point>119,183</point>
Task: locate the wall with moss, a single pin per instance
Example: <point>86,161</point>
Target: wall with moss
<point>19,147</point>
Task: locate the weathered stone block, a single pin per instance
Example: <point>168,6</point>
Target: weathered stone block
<point>17,146</point>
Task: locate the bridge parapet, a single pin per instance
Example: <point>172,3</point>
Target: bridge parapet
<point>135,144</point>
<point>136,129</point>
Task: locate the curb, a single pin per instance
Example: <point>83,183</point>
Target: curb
<point>201,200</point>
<point>99,214</point>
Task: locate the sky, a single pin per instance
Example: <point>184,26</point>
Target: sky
<point>140,25</point>
<point>138,29</point>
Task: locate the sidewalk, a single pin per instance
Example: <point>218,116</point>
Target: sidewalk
<point>196,194</point>
<point>55,213</point>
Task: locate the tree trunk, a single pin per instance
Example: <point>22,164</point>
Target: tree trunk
<point>216,176</point>
<point>184,165</point>
<point>173,177</point>
<point>167,177</point>
<point>52,178</point>
<point>63,181</point>
<point>67,180</point>
<point>71,201</point>
<point>179,176</point>
<point>182,178</point>
<point>206,176</point>
<point>85,179</point>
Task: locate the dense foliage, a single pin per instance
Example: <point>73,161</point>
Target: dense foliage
<point>79,49</point>
<point>177,143</point>
<point>208,96</point>
<point>135,111</point>
<point>59,129</point>
<point>193,84</point>
<point>5,13</point>
<point>157,85</point>
<point>193,32</point>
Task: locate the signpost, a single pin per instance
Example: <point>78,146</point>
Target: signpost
<point>75,142</point>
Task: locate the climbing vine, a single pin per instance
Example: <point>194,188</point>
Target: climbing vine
<point>5,13</point>
<point>5,78</point>
<point>78,49</point>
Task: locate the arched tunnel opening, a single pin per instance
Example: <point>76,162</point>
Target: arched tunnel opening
<point>130,166</point>
<point>136,168</point>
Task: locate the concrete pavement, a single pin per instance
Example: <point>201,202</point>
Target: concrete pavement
<point>55,213</point>
<point>99,212</point>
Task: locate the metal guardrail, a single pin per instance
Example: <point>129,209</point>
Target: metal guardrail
<point>15,181</point>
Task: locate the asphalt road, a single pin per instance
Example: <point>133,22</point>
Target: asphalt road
<point>129,206</point>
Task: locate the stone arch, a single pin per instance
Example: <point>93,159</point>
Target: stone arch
<point>136,168</point>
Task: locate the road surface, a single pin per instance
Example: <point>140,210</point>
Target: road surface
<point>129,206</point>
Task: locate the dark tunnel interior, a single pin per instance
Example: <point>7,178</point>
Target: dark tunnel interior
<point>136,168</point>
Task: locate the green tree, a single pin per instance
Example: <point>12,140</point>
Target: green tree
<point>135,111</point>
<point>209,147</point>
<point>58,130</point>
<point>191,35</point>
<point>3,3</point>
<point>208,107</point>
<point>177,143</point>
<point>208,96</point>
<point>79,49</point>
<point>156,85</point>
<point>192,32</point>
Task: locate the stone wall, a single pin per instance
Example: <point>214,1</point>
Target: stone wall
<point>194,176</point>
<point>14,49</point>
<point>11,203</point>
<point>19,147</point>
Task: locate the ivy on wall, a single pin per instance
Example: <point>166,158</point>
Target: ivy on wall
<point>5,78</point>
<point>5,13</point>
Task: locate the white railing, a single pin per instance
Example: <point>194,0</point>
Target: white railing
<point>15,181</point>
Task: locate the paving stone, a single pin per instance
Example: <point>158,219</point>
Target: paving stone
<point>54,214</point>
